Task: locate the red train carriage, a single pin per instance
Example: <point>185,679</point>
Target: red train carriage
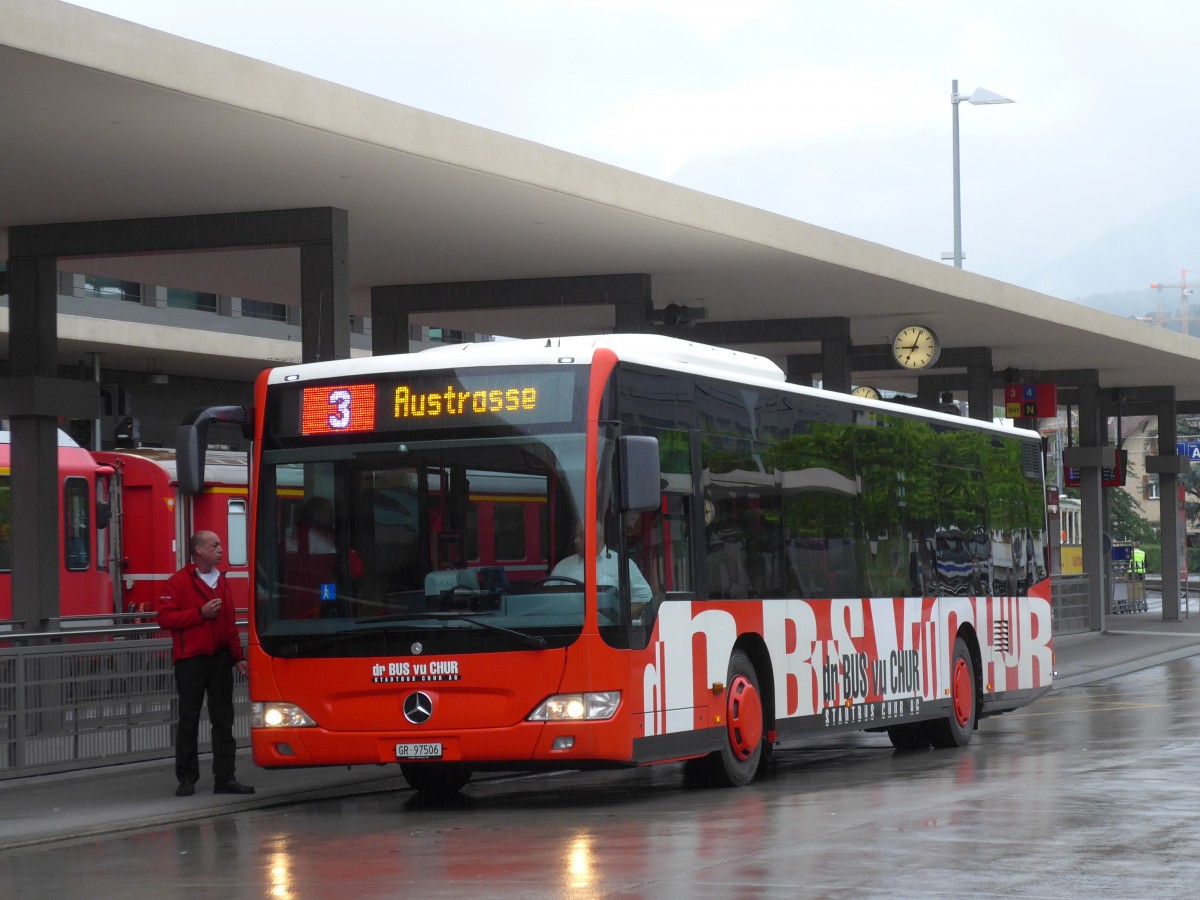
<point>85,580</point>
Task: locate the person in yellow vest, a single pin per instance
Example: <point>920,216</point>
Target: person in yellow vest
<point>1138,566</point>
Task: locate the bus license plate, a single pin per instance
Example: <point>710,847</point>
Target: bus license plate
<point>418,751</point>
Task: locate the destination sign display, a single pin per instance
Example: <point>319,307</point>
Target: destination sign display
<point>446,400</point>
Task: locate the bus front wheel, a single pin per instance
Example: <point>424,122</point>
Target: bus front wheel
<point>737,762</point>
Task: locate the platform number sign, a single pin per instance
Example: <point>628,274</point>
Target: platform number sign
<point>1030,401</point>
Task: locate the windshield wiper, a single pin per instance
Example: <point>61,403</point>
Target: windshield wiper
<point>530,640</point>
<point>291,649</point>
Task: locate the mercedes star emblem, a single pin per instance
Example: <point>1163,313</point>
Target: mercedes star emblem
<point>418,707</point>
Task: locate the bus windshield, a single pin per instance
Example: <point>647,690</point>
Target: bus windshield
<point>452,541</point>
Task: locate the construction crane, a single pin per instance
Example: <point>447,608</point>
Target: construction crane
<point>1184,293</point>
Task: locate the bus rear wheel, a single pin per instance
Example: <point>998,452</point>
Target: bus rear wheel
<point>737,762</point>
<point>955,730</point>
<point>436,779</point>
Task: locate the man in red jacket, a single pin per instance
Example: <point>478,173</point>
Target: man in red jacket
<point>197,608</point>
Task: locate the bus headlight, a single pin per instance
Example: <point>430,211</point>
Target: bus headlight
<point>279,715</point>
<point>577,707</point>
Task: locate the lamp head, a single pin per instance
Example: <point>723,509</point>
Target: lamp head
<point>984,97</point>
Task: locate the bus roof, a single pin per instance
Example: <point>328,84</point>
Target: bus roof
<point>652,350</point>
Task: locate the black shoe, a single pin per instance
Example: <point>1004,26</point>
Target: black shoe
<point>232,786</point>
<point>185,789</point>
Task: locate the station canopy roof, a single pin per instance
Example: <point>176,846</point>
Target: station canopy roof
<point>104,119</point>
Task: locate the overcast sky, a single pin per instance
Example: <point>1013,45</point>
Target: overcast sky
<point>834,112</point>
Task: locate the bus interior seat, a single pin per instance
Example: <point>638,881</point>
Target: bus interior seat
<point>444,581</point>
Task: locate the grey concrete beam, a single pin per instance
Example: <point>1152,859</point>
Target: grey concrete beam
<point>580,290</point>
<point>117,237</point>
<point>392,305</point>
<point>52,398</point>
<point>35,398</point>
<point>879,358</point>
<point>755,331</point>
<point>1172,464</point>
<point>1089,457</point>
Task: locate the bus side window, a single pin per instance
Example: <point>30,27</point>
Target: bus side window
<point>659,545</point>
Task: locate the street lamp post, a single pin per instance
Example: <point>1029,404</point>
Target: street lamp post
<point>979,97</point>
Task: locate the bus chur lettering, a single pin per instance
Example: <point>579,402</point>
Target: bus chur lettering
<point>829,657</point>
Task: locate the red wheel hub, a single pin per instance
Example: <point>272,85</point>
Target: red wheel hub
<point>744,717</point>
<point>962,692</point>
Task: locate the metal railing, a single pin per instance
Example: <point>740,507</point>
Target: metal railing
<point>1070,604</point>
<point>85,697</point>
<point>93,694</point>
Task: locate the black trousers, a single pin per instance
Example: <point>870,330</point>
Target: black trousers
<point>195,678</point>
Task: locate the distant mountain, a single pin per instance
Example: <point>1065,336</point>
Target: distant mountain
<point>1125,303</point>
<point>1145,304</point>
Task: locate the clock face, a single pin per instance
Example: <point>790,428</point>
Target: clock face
<point>865,390</point>
<point>916,347</point>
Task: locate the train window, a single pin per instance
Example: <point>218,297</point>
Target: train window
<point>235,545</point>
<point>508,523</point>
<point>77,524</point>
<point>473,531</point>
<point>102,532</point>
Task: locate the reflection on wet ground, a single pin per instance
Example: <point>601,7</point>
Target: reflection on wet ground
<point>1089,791</point>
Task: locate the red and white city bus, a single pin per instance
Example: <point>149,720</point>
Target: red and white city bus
<point>759,562</point>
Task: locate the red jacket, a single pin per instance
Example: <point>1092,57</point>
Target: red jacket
<point>191,633</point>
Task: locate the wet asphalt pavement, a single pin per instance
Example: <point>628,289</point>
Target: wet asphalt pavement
<point>1089,790</point>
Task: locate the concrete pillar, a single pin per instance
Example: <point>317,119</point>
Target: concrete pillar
<point>1091,492</point>
<point>979,389</point>
<point>1169,465</point>
<point>389,321</point>
<point>325,292</point>
<point>835,364</point>
<point>33,342</point>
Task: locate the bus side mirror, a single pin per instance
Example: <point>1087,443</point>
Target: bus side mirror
<point>641,479</point>
<point>191,441</point>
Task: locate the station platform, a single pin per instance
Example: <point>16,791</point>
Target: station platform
<point>100,801</point>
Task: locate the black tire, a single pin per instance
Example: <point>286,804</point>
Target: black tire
<point>913,736</point>
<point>955,730</point>
<point>736,764</point>
<point>436,779</point>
